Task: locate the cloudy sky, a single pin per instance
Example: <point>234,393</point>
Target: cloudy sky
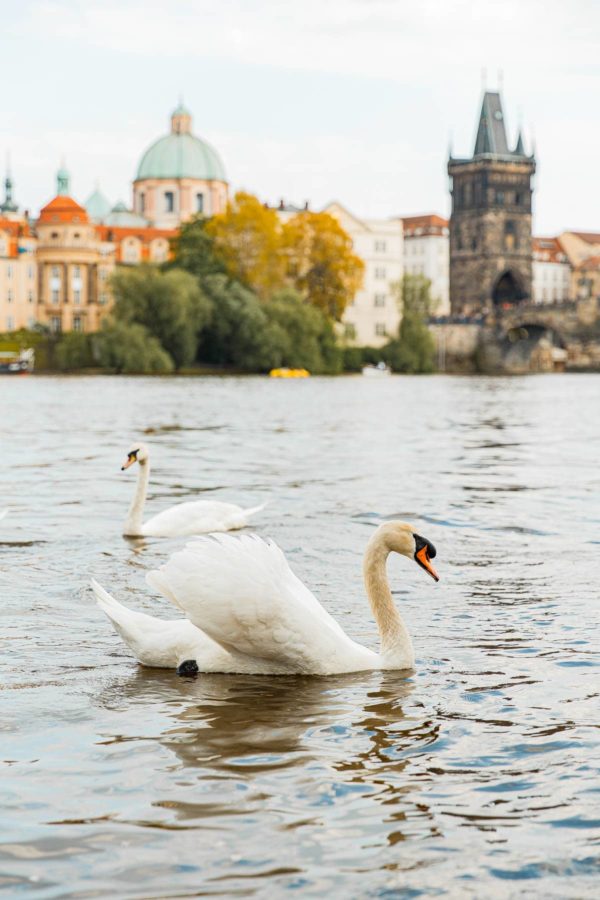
<point>354,100</point>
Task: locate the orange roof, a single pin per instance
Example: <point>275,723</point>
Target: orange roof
<point>426,224</point>
<point>117,233</point>
<point>64,210</point>
<point>548,249</point>
<point>15,229</point>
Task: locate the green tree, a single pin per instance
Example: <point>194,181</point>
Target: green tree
<point>307,336</point>
<point>171,305</point>
<point>194,250</point>
<point>74,351</point>
<point>240,333</point>
<point>130,348</point>
<point>413,351</point>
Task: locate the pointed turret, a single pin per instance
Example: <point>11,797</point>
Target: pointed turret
<point>519,149</point>
<point>62,182</point>
<point>491,132</point>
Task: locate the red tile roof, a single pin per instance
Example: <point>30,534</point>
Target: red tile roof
<point>548,249</point>
<point>416,226</point>
<point>63,210</point>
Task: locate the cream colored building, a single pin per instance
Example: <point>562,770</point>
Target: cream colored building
<point>179,176</point>
<point>373,317</point>
<point>552,272</point>
<point>427,253</point>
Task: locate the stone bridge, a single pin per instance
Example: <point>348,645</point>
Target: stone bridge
<point>522,338</point>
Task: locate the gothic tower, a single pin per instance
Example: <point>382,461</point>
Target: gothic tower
<point>490,224</point>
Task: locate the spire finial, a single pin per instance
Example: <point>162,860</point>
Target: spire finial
<point>62,179</point>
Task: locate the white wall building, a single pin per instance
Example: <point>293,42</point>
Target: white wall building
<point>551,271</point>
<point>374,316</point>
<point>427,252</point>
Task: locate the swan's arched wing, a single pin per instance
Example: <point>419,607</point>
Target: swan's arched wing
<point>243,594</point>
<point>195,517</point>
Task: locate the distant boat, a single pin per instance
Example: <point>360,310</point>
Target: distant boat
<point>14,362</point>
<point>379,369</point>
<point>289,373</point>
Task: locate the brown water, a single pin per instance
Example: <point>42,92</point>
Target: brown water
<point>479,776</point>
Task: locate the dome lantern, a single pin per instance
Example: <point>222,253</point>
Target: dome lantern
<point>181,120</point>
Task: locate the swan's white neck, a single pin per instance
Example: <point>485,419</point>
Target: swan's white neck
<point>133,522</point>
<point>395,639</point>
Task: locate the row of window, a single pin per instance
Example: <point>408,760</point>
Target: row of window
<point>350,330</point>
<point>10,296</point>
<point>10,269</point>
<point>170,202</point>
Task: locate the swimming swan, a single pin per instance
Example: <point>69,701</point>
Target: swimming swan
<point>248,613</point>
<point>195,517</point>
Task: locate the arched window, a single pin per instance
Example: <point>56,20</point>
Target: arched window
<point>199,203</point>
<point>169,201</point>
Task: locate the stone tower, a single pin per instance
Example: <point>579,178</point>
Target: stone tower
<point>490,224</point>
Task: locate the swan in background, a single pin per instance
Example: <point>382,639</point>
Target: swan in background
<point>184,519</point>
<point>248,613</point>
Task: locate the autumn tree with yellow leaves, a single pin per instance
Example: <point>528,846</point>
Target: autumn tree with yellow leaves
<point>322,266</point>
<point>310,252</point>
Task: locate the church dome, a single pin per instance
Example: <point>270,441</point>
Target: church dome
<point>181,154</point>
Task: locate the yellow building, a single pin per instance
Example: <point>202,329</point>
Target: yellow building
<point>73,263</point>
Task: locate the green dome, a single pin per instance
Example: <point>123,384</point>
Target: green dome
<point>181,156</point>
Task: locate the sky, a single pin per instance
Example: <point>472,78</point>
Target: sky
<point>348,100</point>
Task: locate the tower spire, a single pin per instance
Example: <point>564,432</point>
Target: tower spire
<point>9,206</point>
<point>62,180</point>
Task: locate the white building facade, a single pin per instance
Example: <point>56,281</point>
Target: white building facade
<point>373,317</point>
<point>552,272</point>
<point>427,252</point>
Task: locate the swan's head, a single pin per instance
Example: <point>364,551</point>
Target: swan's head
<point>400,537</point>
<point>136,453</point>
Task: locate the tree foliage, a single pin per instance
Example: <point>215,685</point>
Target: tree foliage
<point>194,250</point>
<point>307,339</point>
<point>130,348</point>
<point>73,351</point>
<point>170,305</point>
<point>247,237</point>
<point>413,351</point>
<point>321,263</point>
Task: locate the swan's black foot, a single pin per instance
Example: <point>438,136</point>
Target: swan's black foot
<point>188,668</point>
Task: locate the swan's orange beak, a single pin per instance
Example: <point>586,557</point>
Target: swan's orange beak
<point>131,458</point>
<point>422,557</point>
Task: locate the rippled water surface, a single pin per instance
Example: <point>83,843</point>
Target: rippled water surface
<point>476,776</point>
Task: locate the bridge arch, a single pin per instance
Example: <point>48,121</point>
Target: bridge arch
<point>508,289</point>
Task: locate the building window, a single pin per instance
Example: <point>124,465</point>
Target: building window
<point>30,271</point>
<point>500,198</point>
<point>30,296</point>
<point>518,199</point>
<point>169,201</point>
<point>102,274</point>
<point>10,323</point>
<point>142,202</point>
<point>379,299</point>
<point>3,248</point>
<point>102,300</point>
<point>55,272</point>
<point>55,297</point>
<point>380,246</point>
<point>379,272</point>
<point>9,296</point>
<point>54,235</point>
<point>9,270</point>
<point>350,330</point>
<point>77,297</point>
<point>380,329</point>
<point>76,271</point>
<point>199,203</point>
<point>55,324</point>
<point>77,323</point>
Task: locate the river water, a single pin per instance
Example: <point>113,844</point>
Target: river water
<point>476,776</point>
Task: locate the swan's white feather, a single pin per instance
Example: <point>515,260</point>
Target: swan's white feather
<point>242,593</point>
<point>198,517</point>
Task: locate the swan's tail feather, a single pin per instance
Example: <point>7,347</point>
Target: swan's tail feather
<point>115,611</point>
<point>254,509</point>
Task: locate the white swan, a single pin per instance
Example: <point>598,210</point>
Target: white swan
<point>194,517</point>
<point>248,613</point>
